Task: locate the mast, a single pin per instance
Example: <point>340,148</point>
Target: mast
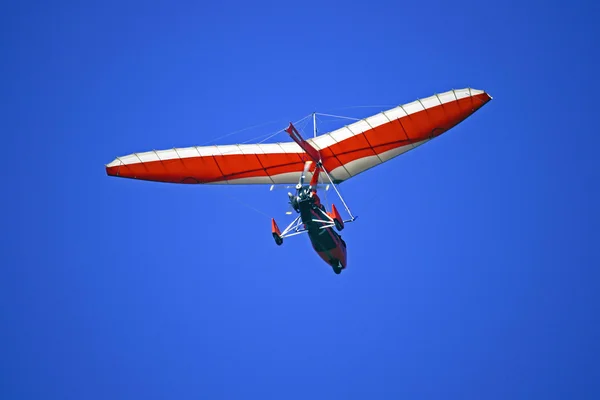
<point>315,123</point>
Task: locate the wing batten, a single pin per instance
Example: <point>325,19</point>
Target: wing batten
<point>373,140</point>
<point>369,142</point>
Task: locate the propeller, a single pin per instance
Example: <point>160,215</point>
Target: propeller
<point>299,186</point>
<point>302,177</point>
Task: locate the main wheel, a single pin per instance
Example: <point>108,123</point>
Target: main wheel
<point>338,224</point>
<point>278,239</point>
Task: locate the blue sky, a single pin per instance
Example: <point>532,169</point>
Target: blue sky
<point>473,267</point>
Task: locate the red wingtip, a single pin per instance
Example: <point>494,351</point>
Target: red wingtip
<point>111,171</point>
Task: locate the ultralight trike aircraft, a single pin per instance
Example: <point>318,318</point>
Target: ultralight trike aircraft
<point>338,156</point>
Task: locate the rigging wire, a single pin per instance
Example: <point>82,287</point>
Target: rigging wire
<point>297,122</point>
<point>302,120</point>
<point>269,135</point>
<point>248,205</point>
<point>241,130</point>
<point>326,122</point>
<point>338,116</point>
<point>373,106</point>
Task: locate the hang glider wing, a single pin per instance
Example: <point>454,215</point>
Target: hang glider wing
<point>345,152</point>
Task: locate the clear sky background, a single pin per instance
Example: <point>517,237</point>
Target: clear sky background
<point>473,267</point>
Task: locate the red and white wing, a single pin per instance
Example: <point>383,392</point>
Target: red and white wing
<point>345,152</point>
